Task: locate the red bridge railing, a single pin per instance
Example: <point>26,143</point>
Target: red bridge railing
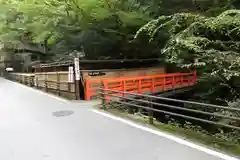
<point>141,84</point>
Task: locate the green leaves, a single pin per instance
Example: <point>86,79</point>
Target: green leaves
<point>70,24</point>
<point>210,45</point>
<point>132,18</point>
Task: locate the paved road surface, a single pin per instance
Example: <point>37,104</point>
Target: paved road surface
<point>29,131</point>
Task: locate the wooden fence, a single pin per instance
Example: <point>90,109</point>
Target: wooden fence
<point>57,82</point>
<point>54,82</point>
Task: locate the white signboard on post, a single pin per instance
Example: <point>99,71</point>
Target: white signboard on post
<point>70,74</point>
<point>77,69</point>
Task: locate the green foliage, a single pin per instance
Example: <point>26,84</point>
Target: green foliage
<point>209,45</point>
<point>103,27</point>
<point>205,7</point>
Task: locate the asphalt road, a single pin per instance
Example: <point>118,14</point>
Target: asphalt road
<point>30,131</point>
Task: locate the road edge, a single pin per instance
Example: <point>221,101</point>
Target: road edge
<point>166,135</point>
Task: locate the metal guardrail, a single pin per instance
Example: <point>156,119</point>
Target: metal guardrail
<point>147,102</point>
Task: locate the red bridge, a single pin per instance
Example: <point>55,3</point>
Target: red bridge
<point>141,84</point>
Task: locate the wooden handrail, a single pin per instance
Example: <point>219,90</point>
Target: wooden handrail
<point>139,84</point>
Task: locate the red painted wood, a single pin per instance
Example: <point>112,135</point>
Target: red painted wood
<point>141,84</point>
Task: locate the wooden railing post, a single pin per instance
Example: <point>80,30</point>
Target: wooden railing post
<point>182,78</point>
<point>58,84</point>
<point>105,97</point>
<point>87,88</point>
<point>173,82</point>
<point>28,80</point>
<point>163,83</point>
<point>189,82</point>
<point>37,85</point>
<point>32,81</point>
<point>46,84</point>
<point>102,96</point>
<point>21,78</point>
<point>139,86</point>
<point>194,77</point>
<point>25,80</point>
<point>153,85</point>
<point>123,88</point>
<point>69,87</point>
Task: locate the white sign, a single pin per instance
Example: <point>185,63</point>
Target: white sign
<point>77,70</point>
<point>9,69</point>
<point>70,74</point>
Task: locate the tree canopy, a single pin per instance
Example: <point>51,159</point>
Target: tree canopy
<point>103,28</point>
<point>209,45</point>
